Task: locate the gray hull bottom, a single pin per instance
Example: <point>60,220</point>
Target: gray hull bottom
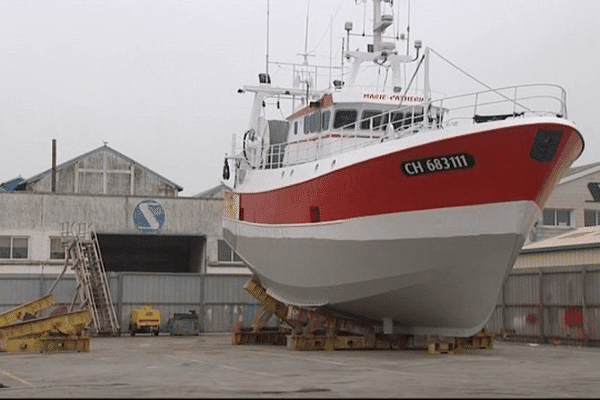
<point>437,286</point>
<point>433,272</point>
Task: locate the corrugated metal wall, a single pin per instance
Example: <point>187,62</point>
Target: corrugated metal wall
<point>556,304</point>
<point>220,300</point>
<point>536,304</point>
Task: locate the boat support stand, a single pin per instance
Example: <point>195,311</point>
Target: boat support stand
<point>302,329</point>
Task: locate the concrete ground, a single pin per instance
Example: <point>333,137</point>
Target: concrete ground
<point>210,366</point>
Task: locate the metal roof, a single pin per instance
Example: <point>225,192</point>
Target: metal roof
<point>588,237</point>
<point>10,185</point>
<point>578,172</point>
<point>104,148</point>
<point>211,193</point>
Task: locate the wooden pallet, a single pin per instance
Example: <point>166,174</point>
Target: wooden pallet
<point>437,347</point>
<point>481,340</point>
<point>248,336</point>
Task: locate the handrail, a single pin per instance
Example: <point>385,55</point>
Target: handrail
<point>435,115</point>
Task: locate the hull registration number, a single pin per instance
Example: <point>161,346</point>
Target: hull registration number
<point>435,164</point>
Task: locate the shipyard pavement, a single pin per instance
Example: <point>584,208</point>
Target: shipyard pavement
<point>147,366</point>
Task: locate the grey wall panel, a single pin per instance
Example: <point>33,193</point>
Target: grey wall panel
<point>494,324</point>
<point>592,287</point>
<point>19,289</point>
<point>521,289</point>
<point>522,320</point>
<point>563,288</point>
<point>223,304</point>
<point>228,317</point>
<point>63,291</point>
<point>218,318</point>
<point>227,289</point>
<point>558,314</point>
<point>592,317</point>
<point>161,288</point>
<point>564,323</point>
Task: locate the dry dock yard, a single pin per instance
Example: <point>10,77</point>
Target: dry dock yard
<point>208,365</point>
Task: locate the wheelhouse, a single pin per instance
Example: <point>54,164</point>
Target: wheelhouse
<point>370,119</point>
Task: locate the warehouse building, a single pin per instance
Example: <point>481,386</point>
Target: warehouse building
<point>140,221</point>
<point>575,248</point>
<point>552,295</point>
<point>574,203</point>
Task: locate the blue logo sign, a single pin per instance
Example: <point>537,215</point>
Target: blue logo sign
<point>148,216</point>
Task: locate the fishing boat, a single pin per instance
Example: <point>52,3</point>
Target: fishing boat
<point>381,201</point>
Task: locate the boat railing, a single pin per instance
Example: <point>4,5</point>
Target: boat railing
<point>528,99</point>
<point>471,108</point>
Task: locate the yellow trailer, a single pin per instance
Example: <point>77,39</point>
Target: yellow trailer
<point>145,319</point>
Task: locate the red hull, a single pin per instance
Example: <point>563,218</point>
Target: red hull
<point>502,170</point>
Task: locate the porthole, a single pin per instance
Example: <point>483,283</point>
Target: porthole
<point>316,167</point>
<point>333,164</point>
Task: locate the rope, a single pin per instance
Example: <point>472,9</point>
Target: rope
<point>480,82</point>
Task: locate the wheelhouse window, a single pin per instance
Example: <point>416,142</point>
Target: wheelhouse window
<point>365,118</point>
<point>14,247</point>
<point>381,121</point>
<point>398,120</point>
<point>296,128</point>
<point>556,217</point>
<point>312,123</point>
<point>325,117</point>
<point>591,217</point>
<point>405,119</point>
<point>345,119</point>
<point>315,122</point>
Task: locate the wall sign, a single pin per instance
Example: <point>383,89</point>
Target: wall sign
<point>148,216</point>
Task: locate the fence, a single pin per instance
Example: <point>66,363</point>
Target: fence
<point>549,305</point>
<point>536,304</point>
<point>220,300</point>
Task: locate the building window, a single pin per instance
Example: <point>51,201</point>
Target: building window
<point>57,250</point>
<point>591,217</point>
<point>226,254</point>
<point>556,217</point>
<point>14,247</point>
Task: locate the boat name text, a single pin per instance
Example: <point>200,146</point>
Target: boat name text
<point>431,165</point>
<point>392,98</point>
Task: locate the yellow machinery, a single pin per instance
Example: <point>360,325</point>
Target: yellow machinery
<point>145,319</point>
<point>20,330</point>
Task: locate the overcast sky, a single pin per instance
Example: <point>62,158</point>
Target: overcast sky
<point>157,80</point>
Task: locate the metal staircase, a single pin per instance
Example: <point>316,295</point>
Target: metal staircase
<point>92,290</point>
